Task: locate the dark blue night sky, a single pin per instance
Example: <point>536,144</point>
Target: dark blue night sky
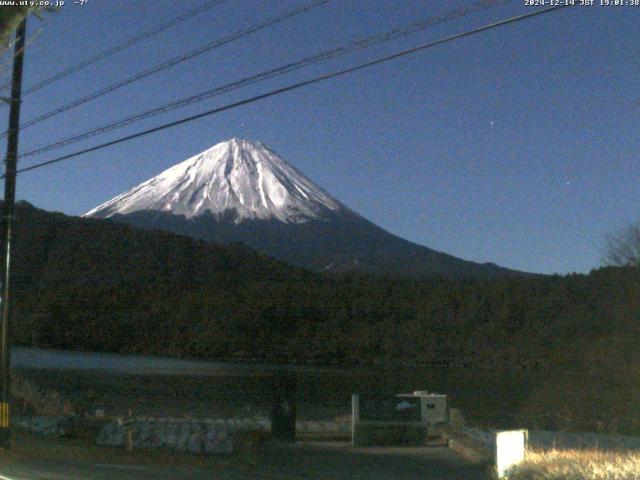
<point>517,146</point>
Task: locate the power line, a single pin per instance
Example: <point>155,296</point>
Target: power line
<point>294,86</point>
<point>174,61</point>
<point>122,46</point>
<point>287,68</point>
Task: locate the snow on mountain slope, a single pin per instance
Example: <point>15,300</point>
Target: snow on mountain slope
<point>236,175</point>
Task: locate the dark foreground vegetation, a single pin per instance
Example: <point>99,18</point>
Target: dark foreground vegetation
<point>565,347</point>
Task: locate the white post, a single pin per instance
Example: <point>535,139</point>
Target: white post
<point>355,416</point>
<point>510,449</point>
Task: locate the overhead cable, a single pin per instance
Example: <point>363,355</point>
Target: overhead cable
<point>122,46</point>
<point>294,86</point>
<point>174,61</point>
<point>271,73</point>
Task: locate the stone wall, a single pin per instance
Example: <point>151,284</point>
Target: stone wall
<point>56,426</point>
<point>197,436</point>
<point>193,436</point>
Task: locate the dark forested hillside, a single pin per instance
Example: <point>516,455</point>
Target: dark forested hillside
<point>337,242</point>
<point>97,285</point>
<point>88,284</point>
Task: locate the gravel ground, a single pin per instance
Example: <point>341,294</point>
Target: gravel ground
<point>303,460</point>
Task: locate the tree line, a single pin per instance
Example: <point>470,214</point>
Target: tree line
<point>84,284</point>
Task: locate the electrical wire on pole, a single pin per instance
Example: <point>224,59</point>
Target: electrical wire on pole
<point>174,61</point>
<point>294,86</point>
<point>7,234</point>
<point>8,65</point>
<point>121,46</point>
<point>359,44</point>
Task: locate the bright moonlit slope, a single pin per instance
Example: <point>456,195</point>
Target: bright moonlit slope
<point>237,175</point>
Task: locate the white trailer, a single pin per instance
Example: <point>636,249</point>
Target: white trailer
<point>434,407</point>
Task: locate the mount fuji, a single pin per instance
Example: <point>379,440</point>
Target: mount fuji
<point>241,191</point>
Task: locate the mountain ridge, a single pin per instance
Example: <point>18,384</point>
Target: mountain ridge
<point>242,191</point>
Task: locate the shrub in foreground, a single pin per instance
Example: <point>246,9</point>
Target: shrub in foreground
<point>578,465</point>
<point>33,400</point>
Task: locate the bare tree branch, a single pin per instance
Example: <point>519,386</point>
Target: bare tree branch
<point>622,248</point>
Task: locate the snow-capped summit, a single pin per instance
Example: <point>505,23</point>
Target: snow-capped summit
<point>241,191</point>
<point>240,177</point>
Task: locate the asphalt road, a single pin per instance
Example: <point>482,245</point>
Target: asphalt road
<point>301,461</point>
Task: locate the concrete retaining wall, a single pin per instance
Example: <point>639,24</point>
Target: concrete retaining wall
<point>368,434</point>
<point>198,436</point>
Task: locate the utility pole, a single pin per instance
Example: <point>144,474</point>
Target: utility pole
<point>7,233</point>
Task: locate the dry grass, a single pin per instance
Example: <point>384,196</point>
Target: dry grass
<point>33,400</point>
<point>80,447</point>
<point>27,446</point>
<point>578,465</point>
